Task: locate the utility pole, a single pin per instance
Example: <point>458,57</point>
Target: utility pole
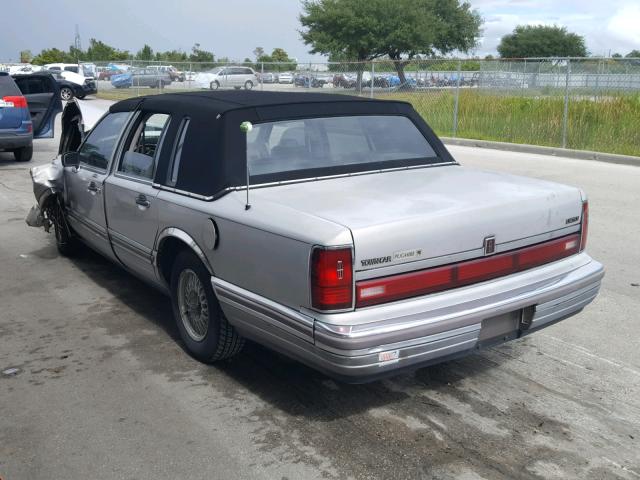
<point>77,43</point>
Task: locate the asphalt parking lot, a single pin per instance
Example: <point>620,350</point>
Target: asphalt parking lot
<point>104,390</point>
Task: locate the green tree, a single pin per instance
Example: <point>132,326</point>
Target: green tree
<point>52,55</point>
<point>364,30</point>
<point>199,55</point>
<point>616,55</point>
<point>99,51</point>
<point>172,56</point>
<point>281,57</point>
<point>26,56</point>
<point>145,53</point>
<point>541,41</point>
<point>258,52</point>
<point>633,54</point>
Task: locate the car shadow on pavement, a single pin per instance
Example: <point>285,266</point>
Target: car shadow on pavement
<point>286,384</point>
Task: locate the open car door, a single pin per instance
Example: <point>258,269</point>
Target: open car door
<point>43,99</point>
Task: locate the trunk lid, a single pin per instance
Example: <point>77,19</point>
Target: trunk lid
<point>412,215</point>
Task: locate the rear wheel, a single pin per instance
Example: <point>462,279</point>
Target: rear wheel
<point>202,325</point>
<point>23,154</point>
<point>248,85</point>
<point>214,85</point>
<point>66,93</point>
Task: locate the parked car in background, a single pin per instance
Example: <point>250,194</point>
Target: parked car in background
<point>335,229</point>
<point>344,80</point>
<point>141,77</point>
<point>29,104</point>
<point>86,70</point>
<point>22,69</point>
<point>81,78</point>
<point>105,73</point>
<point>309,81</point>
<point>227,77</point>
<point>285,77</point>
<point>268,77</point>
<point>70,89</point>
<point>174,73</point>
<point>394,82</point>
<point>379,81</point>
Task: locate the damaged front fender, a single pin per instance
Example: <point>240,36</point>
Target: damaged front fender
<point>48,184</point>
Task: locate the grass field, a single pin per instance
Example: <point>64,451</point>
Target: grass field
<point>608,124</point>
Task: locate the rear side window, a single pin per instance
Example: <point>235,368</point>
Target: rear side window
<point>98,148</point>
<point>71,69</point>
<point>141,154</point>
<point>33,85</point>
<point>8,86</point>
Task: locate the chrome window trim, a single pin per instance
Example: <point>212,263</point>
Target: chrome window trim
<point>342,175</point>
<point>208,198</point>
<point>186,193</point>
<point>132,178</point>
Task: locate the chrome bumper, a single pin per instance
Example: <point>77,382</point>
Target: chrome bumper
<point>371,342</point>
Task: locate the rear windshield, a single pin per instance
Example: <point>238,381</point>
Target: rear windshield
<point>8,86</point>
<point>333,145</point>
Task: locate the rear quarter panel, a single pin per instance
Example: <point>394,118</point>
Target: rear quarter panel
<point>264,249</point>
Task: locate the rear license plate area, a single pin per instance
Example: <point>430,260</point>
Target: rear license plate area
<point>501,327</point>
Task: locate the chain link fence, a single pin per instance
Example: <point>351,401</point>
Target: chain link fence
<point>581,103</point>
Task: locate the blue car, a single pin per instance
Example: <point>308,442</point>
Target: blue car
<point>394,81</point>
<point>28,107</point>
<point>122,80</point>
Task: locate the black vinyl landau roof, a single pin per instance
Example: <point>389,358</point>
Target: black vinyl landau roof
<point>214,151</point>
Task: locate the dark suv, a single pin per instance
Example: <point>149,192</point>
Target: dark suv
<point>28,107</point>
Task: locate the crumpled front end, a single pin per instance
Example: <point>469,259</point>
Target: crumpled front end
<point>48,182</point>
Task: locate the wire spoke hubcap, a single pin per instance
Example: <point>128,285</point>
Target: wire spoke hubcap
<point>193,305</point>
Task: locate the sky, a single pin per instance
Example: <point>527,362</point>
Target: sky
<point>233,28</point>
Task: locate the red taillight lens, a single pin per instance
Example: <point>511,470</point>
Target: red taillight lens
<point>18,101</point>
<point>585,225</point>
<point>331,278</point>
<point>413,284</point>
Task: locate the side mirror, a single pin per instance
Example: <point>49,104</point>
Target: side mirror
<point>71,159</point>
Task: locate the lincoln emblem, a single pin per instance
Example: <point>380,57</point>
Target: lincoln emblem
<point>489,245</point>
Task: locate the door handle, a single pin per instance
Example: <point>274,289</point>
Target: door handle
<point>141,201</point>
<point>93,188</point>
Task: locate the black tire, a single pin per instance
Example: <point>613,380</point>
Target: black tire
<point>66,242</point>
<point>214,85</point>
<point>66,93</point>
<point>221,341</point>
<point>248,85</point>
<point>23,154</point>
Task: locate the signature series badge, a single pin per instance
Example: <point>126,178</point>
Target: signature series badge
<point>402,256</point>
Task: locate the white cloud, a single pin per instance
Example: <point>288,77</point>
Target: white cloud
<point>612,26</point>
<point>625,26</point>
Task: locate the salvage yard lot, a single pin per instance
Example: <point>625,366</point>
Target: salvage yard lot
<point>103,386</point>
<point>605,123</point>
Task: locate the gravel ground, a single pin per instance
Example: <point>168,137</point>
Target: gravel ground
<point>104,390</point>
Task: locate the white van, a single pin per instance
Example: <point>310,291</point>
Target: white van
<point>87,70</point>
